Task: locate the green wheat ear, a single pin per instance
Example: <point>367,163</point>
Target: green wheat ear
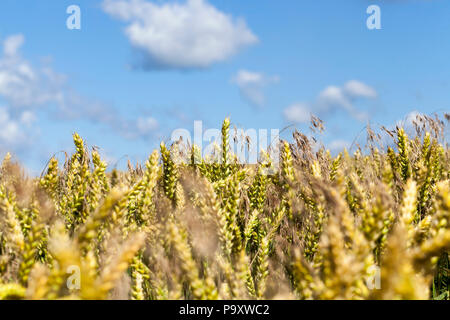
<point>50,182</point>
<point>335,166</point>
<point>32,243</point>
<point>170,173</point>
<point>403,154</point>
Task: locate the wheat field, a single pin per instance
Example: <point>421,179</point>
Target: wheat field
<point>371,224</point>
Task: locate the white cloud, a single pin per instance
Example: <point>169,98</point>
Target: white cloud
<point>252,84</point>
<point>26,89</point>
<point>12,44</point>
<point>12,134</point>
<point>147,125</point>
<point>245,77</point>
<point>20,90</point>
<point>21,85</point>
<point>357,89</point>
<point>27,118</point>
<point>298,113</point>
<point>193,34</point>
<point>334,99</point>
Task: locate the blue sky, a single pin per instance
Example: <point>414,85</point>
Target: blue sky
<point>139,69</point>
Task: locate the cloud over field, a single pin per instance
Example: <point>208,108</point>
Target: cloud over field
<point>252,84</point>
<point>330,100</point>
<point>188,35</point>
<point>26,89</point>
<point>297,113</point>
<point>22,85</point>
<point>13,133</point>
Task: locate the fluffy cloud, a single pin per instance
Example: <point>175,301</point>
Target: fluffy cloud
<point>333,99</point>
<point>357,89</point>
<point>27,118</point>
<point>298,113</point>
<point>21,85</point>
<point>252,84</point>
<point>26,90</point>
<point>147,125</point>
<point>13,135</point>
<point>186,35</point>
<point>12,44</point>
